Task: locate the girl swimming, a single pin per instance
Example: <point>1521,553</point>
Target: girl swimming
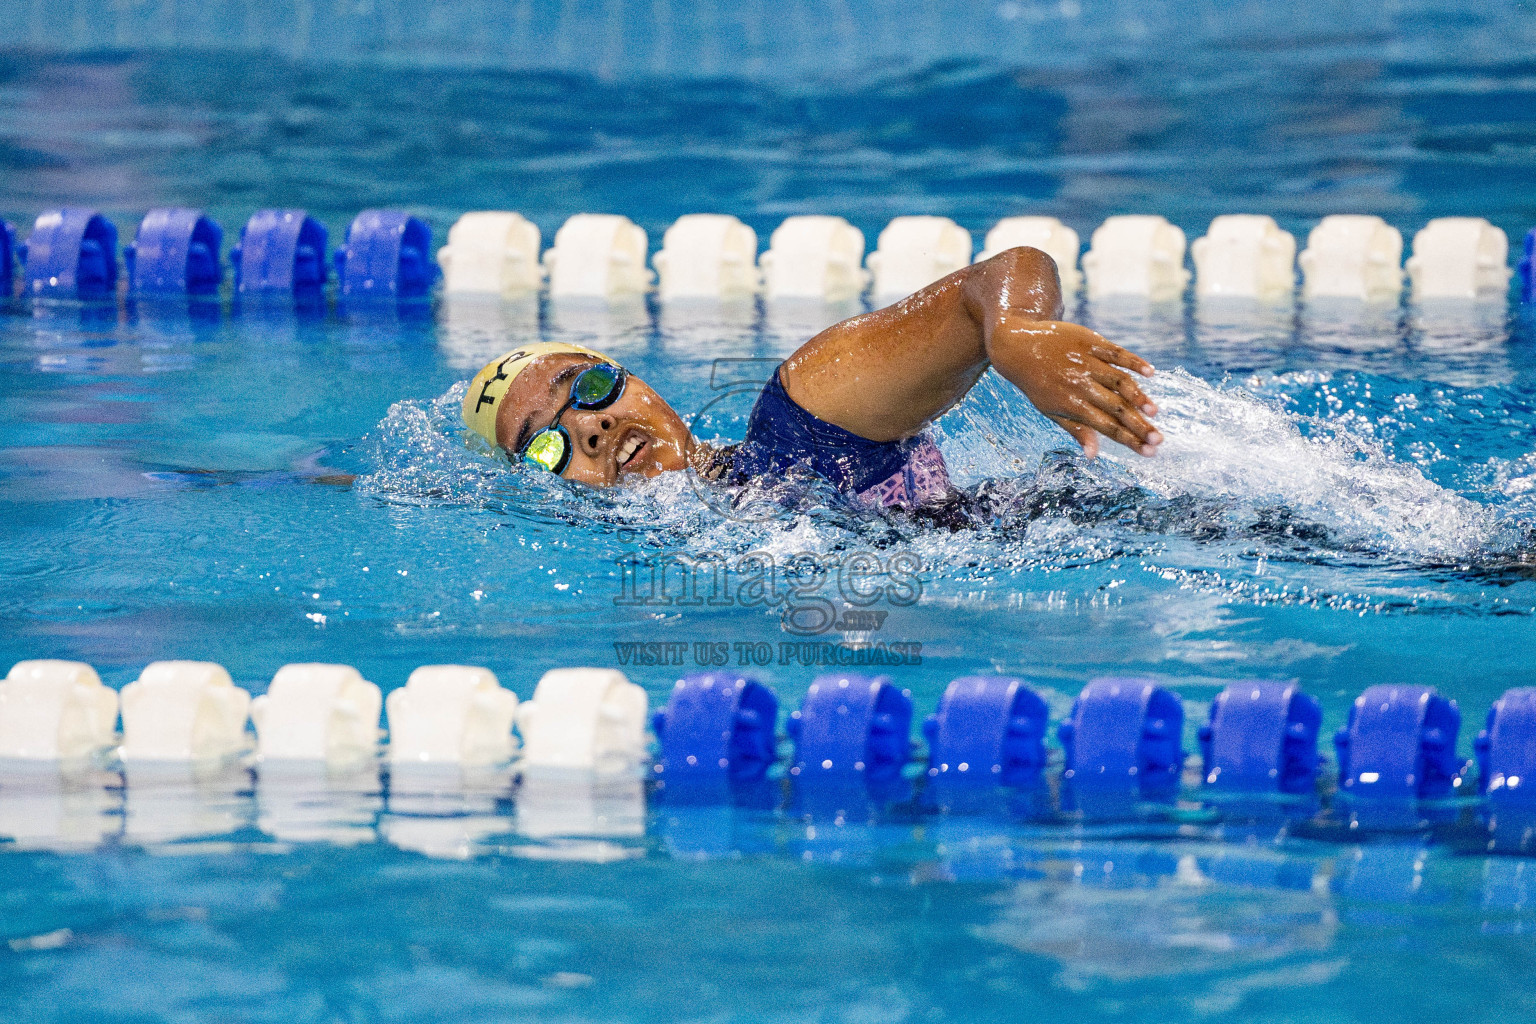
<point>851,404</point>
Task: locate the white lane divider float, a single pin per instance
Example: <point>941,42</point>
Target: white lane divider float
<point>598,256</point>
<point>317,728</point>
<point>55,710</point>
<point>1353,256</point>
<point>1459,258</point>
<point>451,714</point>
<point>707,256</point>
<point>183,721</point>
<point>183,711</point>
<point>1047,234</point>
<point>491,252</point>
<point>315,712</point>
<point>814,257</point>
<point>1138,255</point>
<point>584,718</point>
<point>1245,256</point>
<point>914,252</point>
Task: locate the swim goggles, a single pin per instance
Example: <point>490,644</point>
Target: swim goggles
<point>596,387</point>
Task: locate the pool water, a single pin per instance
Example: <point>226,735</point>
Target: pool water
<point>1347,497</point>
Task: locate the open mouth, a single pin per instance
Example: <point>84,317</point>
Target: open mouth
<point>630,447</point>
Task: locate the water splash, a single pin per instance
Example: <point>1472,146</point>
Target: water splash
<point>1236,464</point>
<point>420,454</point>
<point>1225,443</point>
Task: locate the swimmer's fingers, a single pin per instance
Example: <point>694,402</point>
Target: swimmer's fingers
<point>1104,423</point>
<point>1081,433</point>
<point>1123,385</point>
<point>1114,354</point>
<point>1113,404</point>
<point>1107,400</point>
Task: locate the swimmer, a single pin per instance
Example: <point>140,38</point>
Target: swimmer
<point>851,405</point>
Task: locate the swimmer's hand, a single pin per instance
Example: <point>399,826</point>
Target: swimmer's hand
<point>1074,376</point>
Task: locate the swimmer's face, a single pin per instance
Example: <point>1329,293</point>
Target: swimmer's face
<point>637,436</point>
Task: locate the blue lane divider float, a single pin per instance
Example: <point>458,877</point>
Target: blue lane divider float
<point>1400,744</point>
<point>990,730</point>
<point>7,258</point>
<point>1261,738</point>
<point>717,724</point>
<point>386,255</point>
<point>1527,272</point>
<point>71,254</point>
<point>280,251</point>
<point>176,252</point>
<point>850,726</point>
<point>1125,735</point>
<point>1506,749</point>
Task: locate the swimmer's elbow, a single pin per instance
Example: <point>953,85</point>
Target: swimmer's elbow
<point>1022,281</point>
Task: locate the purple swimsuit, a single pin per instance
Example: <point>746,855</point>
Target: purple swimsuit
<point>782,435</point>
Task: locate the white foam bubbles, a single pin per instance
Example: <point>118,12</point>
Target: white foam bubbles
<point>417,454</point>
<point>1226,443</point>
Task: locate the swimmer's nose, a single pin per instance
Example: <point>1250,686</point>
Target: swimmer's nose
<point>590,430</point>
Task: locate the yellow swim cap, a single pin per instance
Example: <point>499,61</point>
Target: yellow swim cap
<point>483,399</point>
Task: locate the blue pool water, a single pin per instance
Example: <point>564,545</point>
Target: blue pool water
<point>1347,497</point>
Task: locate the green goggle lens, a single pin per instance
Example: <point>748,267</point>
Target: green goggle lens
<point>595,384</point>
<point>548,449</point>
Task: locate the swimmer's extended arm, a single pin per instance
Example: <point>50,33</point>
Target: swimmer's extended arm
<point>886,375</point>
